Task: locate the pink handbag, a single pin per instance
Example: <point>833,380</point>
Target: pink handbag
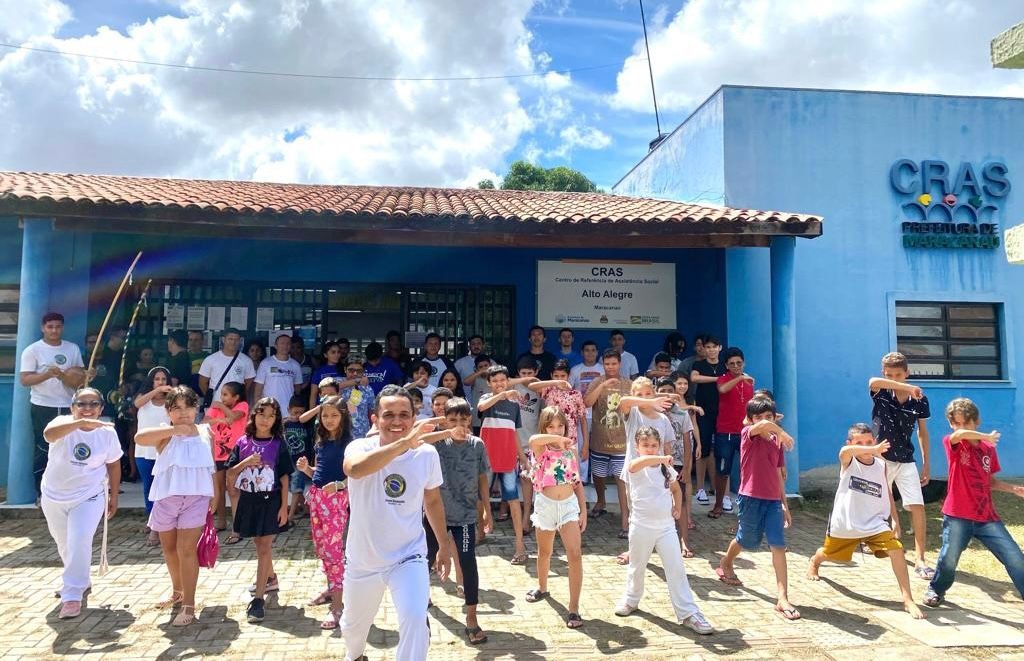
<point>209,546</point>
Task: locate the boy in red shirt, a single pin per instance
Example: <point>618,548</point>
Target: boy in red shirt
<point>735,389</point>
<point>969,511</point>
<point>763,513</point>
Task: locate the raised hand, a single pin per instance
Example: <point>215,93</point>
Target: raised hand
<point>881,448</point>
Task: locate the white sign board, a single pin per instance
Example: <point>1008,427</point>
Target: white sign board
<point>629,295</point>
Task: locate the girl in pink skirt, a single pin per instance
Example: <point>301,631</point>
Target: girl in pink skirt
<point>328,500</point>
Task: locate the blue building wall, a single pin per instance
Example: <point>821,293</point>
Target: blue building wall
<point>97,263</point>
<point>829,153</point>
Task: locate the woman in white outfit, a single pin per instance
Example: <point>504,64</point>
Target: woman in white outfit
<point>84,460</point>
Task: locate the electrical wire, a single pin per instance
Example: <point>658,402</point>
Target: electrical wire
<point>290,74</point>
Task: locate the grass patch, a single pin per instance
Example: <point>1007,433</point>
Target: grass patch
<point>976,559</point>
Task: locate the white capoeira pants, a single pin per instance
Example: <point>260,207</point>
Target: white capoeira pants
<point>642,541</point>
<point>409,585</point>
<point>73,526</point>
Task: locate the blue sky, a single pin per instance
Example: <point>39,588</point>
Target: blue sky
<point>76,114</point>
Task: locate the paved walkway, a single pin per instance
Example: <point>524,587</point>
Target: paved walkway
<point>849,613</point>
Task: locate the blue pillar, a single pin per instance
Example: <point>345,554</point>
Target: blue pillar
<point>784,361</point>
<point>36,254</point>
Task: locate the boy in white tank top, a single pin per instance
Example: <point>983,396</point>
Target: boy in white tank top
<point>861,510</point>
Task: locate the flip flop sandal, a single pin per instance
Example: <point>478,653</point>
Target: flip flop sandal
<point>186,617</point>
<point>503,517</point>
<point>691,525</point>
<point>233,538</point>
<point>687,553</point>
<point>597,513</point>
<point>728,579</point>
<point>923,572</point>
<point>622,558</point>
<point>623,534</point>
<point>714,514</point>
<point>519,559</point>
<point>574,621</point>
<point>175,599</point>
<point>460,591</point>
<point>533,596</point>
<point>475,631</point>
<point>788,613</point>
<point>321,599</point>
<point>331,621</point>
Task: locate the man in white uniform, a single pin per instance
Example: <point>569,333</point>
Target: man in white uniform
<point>228,364</point>
<point>392,479</point>
<point>52,367</point>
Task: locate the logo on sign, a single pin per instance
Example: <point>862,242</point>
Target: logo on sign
<point>943,209</point>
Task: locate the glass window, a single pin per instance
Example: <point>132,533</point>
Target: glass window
<point>8,327</point>
<point>950,340</point>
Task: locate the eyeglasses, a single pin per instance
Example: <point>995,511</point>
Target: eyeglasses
<point>89,404</point>
<point>353,371</point>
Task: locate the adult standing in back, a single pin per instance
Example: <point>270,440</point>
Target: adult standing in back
<point>434,359</point>
<point>228,364</point>
<point>544,359</point>
<point>52,367</point>
<point>280,375</point>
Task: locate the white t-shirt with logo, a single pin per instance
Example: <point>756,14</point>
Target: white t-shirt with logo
<point>530,405</point>
<point>386,524</point>
<point>39,357</point>
<point>77,464</point>
<point>437,367</point>
<point>279,378</point>
<point>215,364</point>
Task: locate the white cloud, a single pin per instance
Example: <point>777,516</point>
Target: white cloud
<point>906,45</point>
<point>577,137</point>
<point>91,115</point>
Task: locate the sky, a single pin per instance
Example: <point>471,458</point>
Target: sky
<point>554,82</point>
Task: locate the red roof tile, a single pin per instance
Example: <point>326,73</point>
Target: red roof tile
<point>30,193</point>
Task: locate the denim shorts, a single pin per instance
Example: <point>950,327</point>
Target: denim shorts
<point>298,482</point>
<point>509,483</point>
<point>550,514</point>
<point>760,519</point>
<point>727,449</point>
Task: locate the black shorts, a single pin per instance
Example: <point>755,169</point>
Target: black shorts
<point>220,465</point>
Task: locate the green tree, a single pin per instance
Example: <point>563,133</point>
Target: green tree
<point>527,176</point>
<point>485,184</point>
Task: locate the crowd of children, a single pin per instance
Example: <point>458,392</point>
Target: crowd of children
<point>478,432</point>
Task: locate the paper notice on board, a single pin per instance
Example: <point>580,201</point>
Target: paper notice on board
<point>215,318</point>
<point>196,317</point>
<point>264,319</point>
<point>240,318</point>
<point>174,316</point>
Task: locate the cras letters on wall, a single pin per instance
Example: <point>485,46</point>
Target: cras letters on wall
<point>948,209</point>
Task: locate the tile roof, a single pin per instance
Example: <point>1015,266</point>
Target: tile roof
<point>85,195</point>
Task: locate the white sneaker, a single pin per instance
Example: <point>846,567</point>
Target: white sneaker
<point>702,497</point>
<point>697,622</point>
<point>624,610</point>
<point>727,504</point>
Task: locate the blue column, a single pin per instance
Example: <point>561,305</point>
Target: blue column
<point>36,254</point>
<point>784,361</point>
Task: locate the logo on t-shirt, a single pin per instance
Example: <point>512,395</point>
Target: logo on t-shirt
<point>394,485</point>
<point>986,464</point>
<point>60,359</point>
<point>866,487</point>
<point>81,452</point>
<point>612,419</point>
